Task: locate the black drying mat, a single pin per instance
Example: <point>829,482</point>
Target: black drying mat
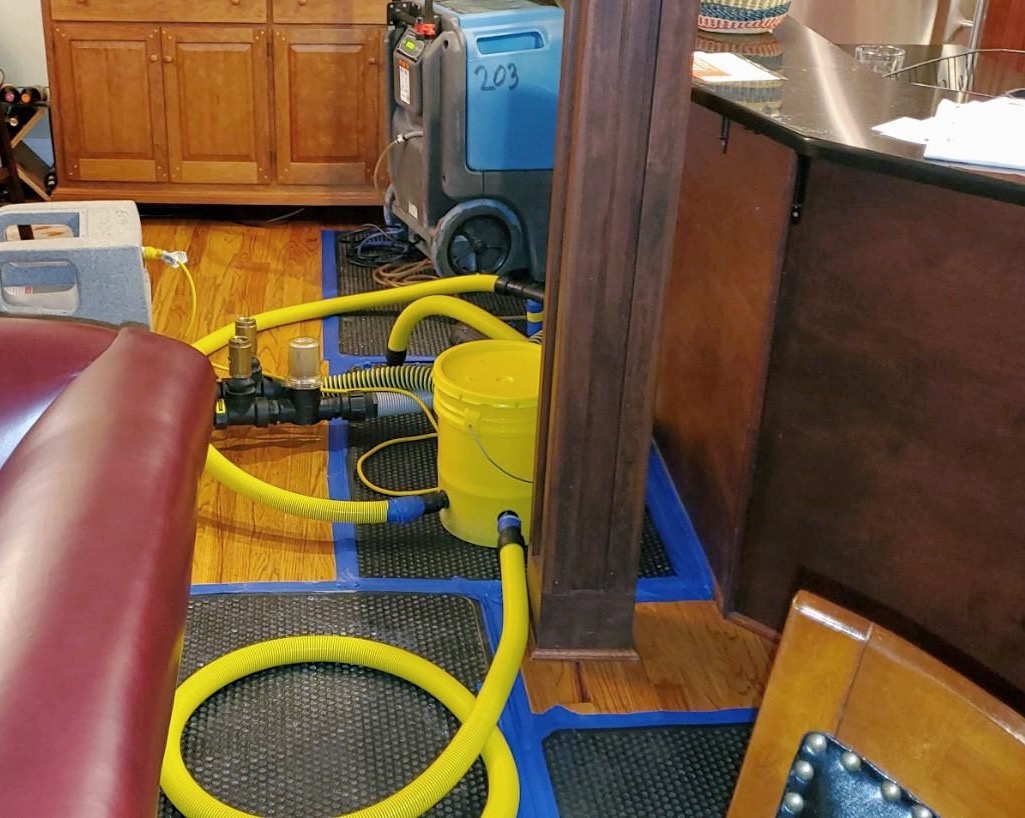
<point>366,333</point>
<point>421,549</point>
<point>316,740</point>
<point>651,772</point>
<point>424,549</point>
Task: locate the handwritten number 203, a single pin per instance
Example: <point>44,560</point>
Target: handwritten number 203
<point>503,76</point>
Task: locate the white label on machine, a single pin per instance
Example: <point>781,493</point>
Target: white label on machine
<point>414,211</point>
<point>404,93</point>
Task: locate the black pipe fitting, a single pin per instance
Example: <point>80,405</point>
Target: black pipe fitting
<point>395,357</point>
<point>403,12</point>
<point>435,502</point>
<point>302,407</point>
<point>306,403</point>
<point>263,385</point>
<point>510,530</point>
<point>522,289</point>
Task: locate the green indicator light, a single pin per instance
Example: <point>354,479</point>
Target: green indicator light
<point>410,45</point>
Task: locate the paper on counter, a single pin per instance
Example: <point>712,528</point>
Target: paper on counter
<point>990,133</point>
<point>727,67</point>
<point>906,129</point>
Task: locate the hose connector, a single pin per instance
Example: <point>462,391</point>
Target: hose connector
<point>246,327</point>
<point>408,509</point>
<point>510,530</point>
<point>240,358</point>
<point>303,364</point>
<point>523,289</point>
<point>435,502</point>
<point>395,357</point>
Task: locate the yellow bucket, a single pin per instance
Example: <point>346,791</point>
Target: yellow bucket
<point>485,395</point>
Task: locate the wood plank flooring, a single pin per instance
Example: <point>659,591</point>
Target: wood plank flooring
<point>690,659</point>
<point>244,270</point>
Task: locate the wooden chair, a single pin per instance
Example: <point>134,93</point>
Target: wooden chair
<point>944,739</point>
<point>9,176</point>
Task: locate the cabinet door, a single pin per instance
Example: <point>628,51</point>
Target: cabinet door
<point>110,98</point>
<point>327,101</point>
<point>218,105</point>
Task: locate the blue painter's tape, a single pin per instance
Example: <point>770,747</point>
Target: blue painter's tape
<point>509,519</point>
<point>535,317</point>
<point>524,730</point>
<point>344,534</point>
<point>329,289</point>
<point>692,577</point>
<point>405,509</point>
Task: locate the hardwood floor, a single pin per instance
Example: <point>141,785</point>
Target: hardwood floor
<point>244,270</point>
<point>690,659</point>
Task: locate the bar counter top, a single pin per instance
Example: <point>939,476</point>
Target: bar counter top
<point>826,106</point>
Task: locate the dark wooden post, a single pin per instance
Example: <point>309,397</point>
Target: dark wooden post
<point>623,116</point>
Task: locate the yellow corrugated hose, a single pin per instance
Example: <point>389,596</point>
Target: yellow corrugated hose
<point>291,502</point>
<point>478,735</point>
<point>469,314</point>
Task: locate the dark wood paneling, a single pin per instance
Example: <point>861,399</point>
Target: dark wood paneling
<point>893,440</point>
<point>618,198</point>
<point>1004,26</point>
<point>730,235</point>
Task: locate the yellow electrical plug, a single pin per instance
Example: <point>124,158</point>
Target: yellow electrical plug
<point>177,260</point>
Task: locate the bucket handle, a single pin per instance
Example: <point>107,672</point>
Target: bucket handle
<point>491,460</point>
<point>472,416</point>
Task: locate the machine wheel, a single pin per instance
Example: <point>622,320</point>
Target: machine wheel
<point>477,236</point>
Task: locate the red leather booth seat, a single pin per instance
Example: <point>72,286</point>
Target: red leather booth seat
<point>102,441</point>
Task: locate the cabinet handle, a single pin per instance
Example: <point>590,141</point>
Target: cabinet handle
<point>302,2</point>
<point>372,61</point>
<point>168,58</point>
<point>153,58</point>
<point>235,2</point>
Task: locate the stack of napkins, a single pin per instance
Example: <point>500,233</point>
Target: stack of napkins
<point>989,133</point>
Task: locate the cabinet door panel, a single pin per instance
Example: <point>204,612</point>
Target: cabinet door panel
<point>111,102</point>
<point>162,11</point>
<point>328,87</point>
<point>218,107</point>
<point>371,12</point>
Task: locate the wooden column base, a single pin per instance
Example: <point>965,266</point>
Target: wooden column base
<point>585,625</point>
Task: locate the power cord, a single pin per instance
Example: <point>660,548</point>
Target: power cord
<point>399,140</point>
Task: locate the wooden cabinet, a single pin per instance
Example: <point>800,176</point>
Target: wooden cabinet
<point>111,105</point>
<point>328,133</point>
<point>214,101</point>
<point>218,104</point>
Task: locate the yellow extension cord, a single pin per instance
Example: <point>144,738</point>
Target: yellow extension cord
<point>478,735</point>
<point>363,458</point>
<point>176,261</point>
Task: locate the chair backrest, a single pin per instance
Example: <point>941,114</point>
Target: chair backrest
<point>954,746</point>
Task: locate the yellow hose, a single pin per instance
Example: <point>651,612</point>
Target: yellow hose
<point>291,502</point>
<point>469,314</point>
<point>478,735</point>
<point>351,303</point>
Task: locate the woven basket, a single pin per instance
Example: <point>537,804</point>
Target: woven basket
<point>742,16</point>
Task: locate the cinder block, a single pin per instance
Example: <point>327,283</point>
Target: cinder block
<point>97,274</point>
